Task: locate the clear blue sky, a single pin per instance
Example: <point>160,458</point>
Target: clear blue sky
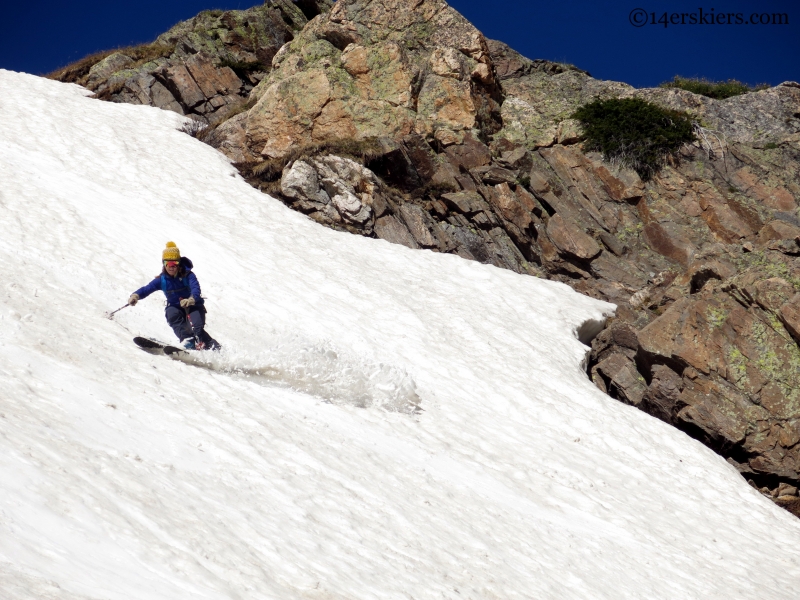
<point>40,36</point>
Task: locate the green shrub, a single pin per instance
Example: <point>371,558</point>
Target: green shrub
<point>718,90</point>
<point>633,132</point>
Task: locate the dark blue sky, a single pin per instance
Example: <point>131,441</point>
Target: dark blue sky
<point>40,36</point>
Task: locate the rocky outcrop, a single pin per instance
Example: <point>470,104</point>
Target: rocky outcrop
<point>714,340</point>
<point>204,67</point>
<point>476,223</point>
<point>339,188</point>
<point>759,118</point>
<point>540,96</point>
<point>376,69</point>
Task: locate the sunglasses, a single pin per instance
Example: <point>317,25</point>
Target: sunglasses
<point>170,263</point>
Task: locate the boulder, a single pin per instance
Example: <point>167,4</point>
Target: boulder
<point>789,313</point>
<point>356,73</point>
<point>621,184</point>
<point>663,396</point>
<point>518,158</point>
<point>293,102</point>
<point>177,79</point>
<point>421,156</point>
<point>211,80</point>
<point>350,186</point>
<point>494,175</point>
<point>621,378</point>
<point>334,181</point>
<point>230,138</point>
<point>571,240</point>
<point>468,203</point>
<point>446,103</point>
<point>726,224</point>
<point>772,294</point>
<point>161,97</point>
<point>300,182</point>
<point>743,385</point>
<point>420,225</point>
<point>389,228</point>
<point>102,70</point>
<point>569,131</point>
<point>670,240</point>
<point>790,503</point>
<point>777,230</point>
<point>777,198</point>
<point>469,153</point>
<point>510,207</point>
<point>407,165</point>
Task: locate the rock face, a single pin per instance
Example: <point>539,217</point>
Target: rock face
<point>540,96</point>
<point>735,366</point>
<point>373,68</point>
<point>399,120</point>
<point>204,67</point>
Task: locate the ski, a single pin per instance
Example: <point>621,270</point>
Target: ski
<point>154,346</point>
<point>173,351</point>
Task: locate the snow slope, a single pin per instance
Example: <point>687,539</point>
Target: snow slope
<point>383,423</point>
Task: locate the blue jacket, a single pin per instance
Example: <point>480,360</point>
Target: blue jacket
<point>183,285</point>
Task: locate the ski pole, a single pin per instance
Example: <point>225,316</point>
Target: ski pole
<point>111,314</point>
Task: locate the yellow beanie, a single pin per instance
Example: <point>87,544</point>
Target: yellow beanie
<point>171,252</point>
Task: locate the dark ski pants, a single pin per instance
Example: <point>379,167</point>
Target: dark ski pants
<point>189,323</point>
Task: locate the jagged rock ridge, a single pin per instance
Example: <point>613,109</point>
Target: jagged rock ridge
<point>204,67</point>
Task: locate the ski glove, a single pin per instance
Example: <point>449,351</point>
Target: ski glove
<point>133,299</point>
<point>187,302</point>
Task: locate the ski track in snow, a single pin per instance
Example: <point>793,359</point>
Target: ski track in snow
<point>296,466</point>
<point>320,371</point>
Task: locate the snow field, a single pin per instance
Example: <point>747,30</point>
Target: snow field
<point>383,423</point>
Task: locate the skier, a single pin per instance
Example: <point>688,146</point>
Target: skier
<point>185,311</point>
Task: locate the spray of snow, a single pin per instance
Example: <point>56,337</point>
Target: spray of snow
<point>319,370</point>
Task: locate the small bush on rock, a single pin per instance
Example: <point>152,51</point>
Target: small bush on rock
<point>719,90</point>
<point>195,128</point>
<point>634,133</point>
